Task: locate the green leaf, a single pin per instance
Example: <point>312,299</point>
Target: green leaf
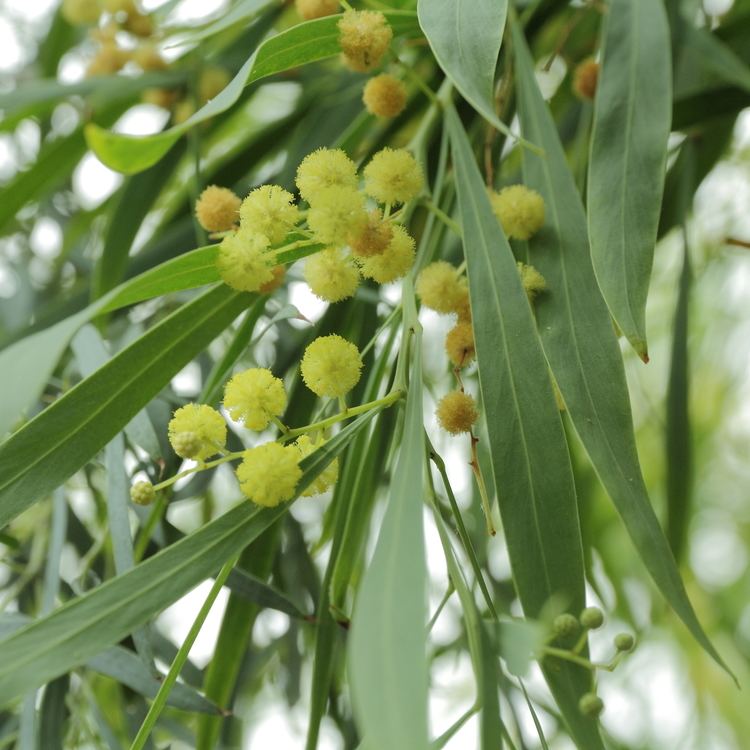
<point>465,38</point>
<point>56,443</point>
<point>632,115</point>
<point>530,461</point>
<point>84,627</point>
<point>387,643</point>
<point>242,12</point>
<point>302,44</point>
<point>253,589</point>
<point>581,345</point>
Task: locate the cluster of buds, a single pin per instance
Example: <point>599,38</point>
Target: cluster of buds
<point>360,233</point>
<point>268,474</point>
<point>570,635</point>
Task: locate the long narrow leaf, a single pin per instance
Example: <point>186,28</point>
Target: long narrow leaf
<point>632,118</point>
<point>530,461</point>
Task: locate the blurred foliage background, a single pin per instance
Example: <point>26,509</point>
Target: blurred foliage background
<point>72,229</point>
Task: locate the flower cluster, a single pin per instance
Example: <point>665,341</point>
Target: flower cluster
<point>569,637</point>
<point>357,226</point>
<point>268,474</point>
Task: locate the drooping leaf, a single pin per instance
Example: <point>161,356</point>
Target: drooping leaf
<point>84,627</point>
<point>465,38</point>
<point>302,44</point>
<point>388,667</point>
<point>581,346</point>
<point>530,461</point>
<point>632,115</point>
<point>242,12</point>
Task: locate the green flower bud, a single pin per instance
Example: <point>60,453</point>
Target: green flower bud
<point>590,705</point>
<point>142,493</point>
<point>624,642</point>
<point>592,618</point>
<point>565,626</point>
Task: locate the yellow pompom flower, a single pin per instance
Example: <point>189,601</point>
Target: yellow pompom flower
<point>533,282</point>
<point>331,366</point>
<point>310,9</point>
<point>441,287</point>
<point>207,427</point>
<point>372,238</point>
<point>327,478</point>
<point>519,210</point>
<point>217,209</point>
<point>393,176</point>
<point>278,273</point>
<point>255,397</point>
<point>459,344</point>
<point>337,214</point>
<point>269,474</point>
<point>457,412</point>
<point>80,12</point>
<point>463,306</point>
<point>384,96</point>
<point>331,275</point>
<point>243,262</point>
<point>325,168</point>
<point>364,36</point>
<point>394,262</point>
<point>269,210</point>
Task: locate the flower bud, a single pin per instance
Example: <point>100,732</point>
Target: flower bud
<point>590,705</point>
<point>310,9</point>
<point>459,344</point>
<point>591,618</point>
<point>384,96</point>
<point>565,626</point>
<point>585,78</point>
<point>624,642</point>
<point>142,493</point>
<point>457,412</point>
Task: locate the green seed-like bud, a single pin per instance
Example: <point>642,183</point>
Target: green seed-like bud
<point>624,642</point>
<point>592,618</point>
<point>142,493</point>
<point>565,626</point>
<point>590,705</point>
<point>186,444</point>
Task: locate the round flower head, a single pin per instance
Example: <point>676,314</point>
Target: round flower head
<point>268,474</point>
<point>310,9</point>
<point>331,366</point>
<point>624,642</point>
<point>394,262</point>
<point>212,82</point>
<point>519,210</point>
<point>205,423</point>
<point>331,275</point>
<point>255,397</point>
<point>80,12</point>
<point>393,176</point>
<point>384,96</point>
<point>217,209</point>
<point>325,168</point>
<point>565,626</point>
<point>585,78</point>
<point>372,238</point>
<point>338,212</point>
<point>269,210</point>
<point>592,618</point>
<point>327,478</point>
<point>533,282</point>
<point>459,344</point>
<point>441,287</point>
<point>142,493</point>
<point>242,261</point>
<point>364,36</point>
<point>457,412</point>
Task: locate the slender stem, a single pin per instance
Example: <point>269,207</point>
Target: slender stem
<point>452,225</point>
<point>284,429</point>
<point>201,466</point>
<point>179,661</point>
<point>483,494</point>
<point>561,653</point>
<point>391,398</point>
<point>448,594</point>
<point>148,528</point>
